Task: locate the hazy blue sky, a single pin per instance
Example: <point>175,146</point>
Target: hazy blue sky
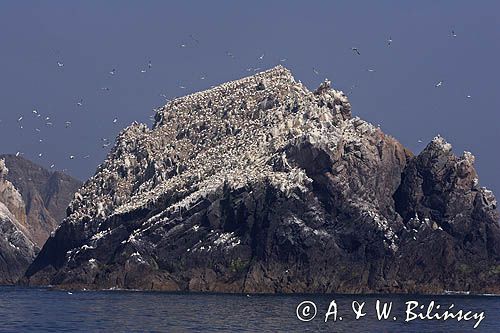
<point>92,37</point>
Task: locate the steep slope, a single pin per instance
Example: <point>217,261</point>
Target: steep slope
<point>32,202</point>
<point>16,250</point>
<point>46,195</point>
<point>259,185</point>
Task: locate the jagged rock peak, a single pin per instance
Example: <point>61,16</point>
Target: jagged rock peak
<point>275,82</point>
<point>323,87</point>
<point>4,171</point>
<point>10,196</point>
<point>440,144</point>
<point>439,152</point>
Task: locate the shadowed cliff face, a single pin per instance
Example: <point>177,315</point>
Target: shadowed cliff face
<point>260,185</point>
<point>32,204</point>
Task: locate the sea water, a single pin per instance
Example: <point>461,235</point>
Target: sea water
<point>46,310</point>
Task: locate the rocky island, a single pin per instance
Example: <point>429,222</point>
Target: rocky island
<point>260,185</point>
<point>32,204</point>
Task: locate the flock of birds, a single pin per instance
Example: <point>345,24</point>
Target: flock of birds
<point>105,142</point>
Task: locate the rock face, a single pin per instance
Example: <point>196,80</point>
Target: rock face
<point>32,203</point>
<point>16,250</point>
<point>259,185</point>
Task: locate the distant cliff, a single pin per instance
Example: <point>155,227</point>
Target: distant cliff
<point>260,185</point>
<point>32,204</point>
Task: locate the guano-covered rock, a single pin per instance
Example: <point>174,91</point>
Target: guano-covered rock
<point>260,185</point>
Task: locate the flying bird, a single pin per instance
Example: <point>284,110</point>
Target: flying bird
<point>60,64</point>
<point>315,71</point>
<point>453,34</point>
<point>80,102</point>
<point>439,84</point>
<point>355,49</point>
<point>261,57</point>
<point>389,41</point>
<point>113,71</point>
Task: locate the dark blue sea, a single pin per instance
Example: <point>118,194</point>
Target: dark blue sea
<point>45,310</point>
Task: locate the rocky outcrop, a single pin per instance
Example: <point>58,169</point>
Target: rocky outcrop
<point>45,195</point>
<point>16,250</point>
<point>259,185</point>
<point>32,201</point>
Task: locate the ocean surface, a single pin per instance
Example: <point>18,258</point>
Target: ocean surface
<point>45,310</point>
